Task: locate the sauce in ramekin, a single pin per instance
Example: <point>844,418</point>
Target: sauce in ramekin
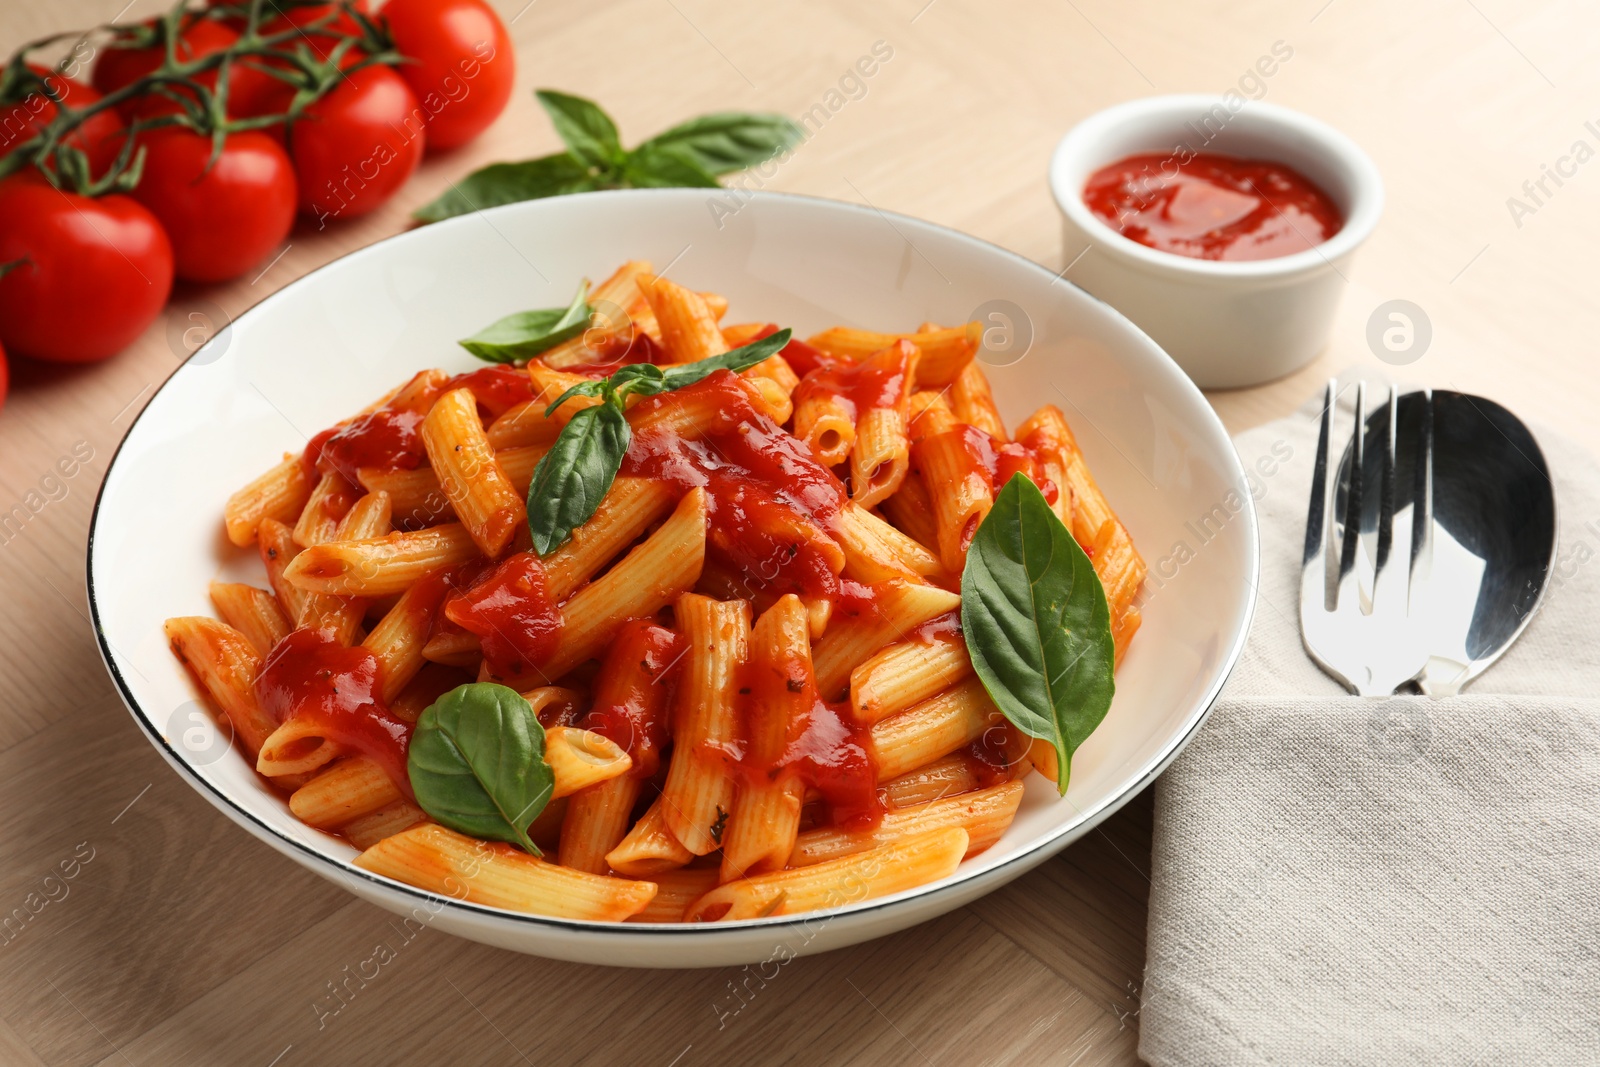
<point>1212,206</point>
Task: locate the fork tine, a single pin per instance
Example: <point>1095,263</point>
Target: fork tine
<point>1386,499</point>
<point>1422,508</point>
<point>1352,501</point>
<point>1314,580</point>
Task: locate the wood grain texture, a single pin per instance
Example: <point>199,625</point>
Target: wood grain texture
<point>183,941</point>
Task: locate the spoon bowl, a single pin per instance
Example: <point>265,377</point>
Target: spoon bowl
<point>1481,565</point>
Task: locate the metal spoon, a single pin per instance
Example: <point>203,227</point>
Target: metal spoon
<point>1483,558</point>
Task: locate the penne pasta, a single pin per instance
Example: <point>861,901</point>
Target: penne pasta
<point>281,493</point>
<point>945,352</point>
<point>401,635</point>
<point>380,566</point>
<point>675,891</point>
<point>221,660</point>
<point>319,520</point>
<point>973,402</point>
<point>596,822</point>
<point>650,847</point>
<point>900,607</point>
<point>984,815</point>
<point>936,727</point>
<point>836,883</point>
<point>827,424</point>
<point>345,790</point>
<point>765,813</point>
<point>629,508</point>
<point>703,766</point>
<point>698,796</point>
<point>944,777</point>
<point>296,747</point>
<point>367,830</point>
<point>483,497</point>
<point>525,426</point>
<point>774,401</point>
<point>881,456</point>
<point>368,517</point>
<point>581,758</point>
<point>255,613</point>
<point>419,500</point>
<point>906,673</point>
<point>951,461</point>
<point>278,550</point>
<point>450,864</point>
<point>646,580</point>
<point>688,326</point>
<point>875,551</point>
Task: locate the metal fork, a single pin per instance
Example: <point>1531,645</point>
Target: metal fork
<point>1363,632</point>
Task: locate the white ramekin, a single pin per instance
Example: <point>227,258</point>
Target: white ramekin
<point>1227,324</point>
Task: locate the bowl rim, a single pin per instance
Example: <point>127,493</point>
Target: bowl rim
<point>1084,140</point>
<point>344,870</point>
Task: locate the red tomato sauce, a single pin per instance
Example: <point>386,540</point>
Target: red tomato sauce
<point>309,676</point>
<point>609,352</point>
<point>826,748</point>
<point>513,616</point>
<point>946,627</point>
<point>389,439</point>
<point>998,462</point>
<point>988,758</point>
<point>497,389</point>
<point>758,479</point>
<point>861,386</point>
<point>1213,206</point>
<point>801,357</point>
<point>634,690</point>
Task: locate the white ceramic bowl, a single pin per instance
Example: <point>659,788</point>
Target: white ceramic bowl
<point>329,343</point>
<point>1227,324</point>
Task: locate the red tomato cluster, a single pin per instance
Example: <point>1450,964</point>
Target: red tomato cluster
<point>81,277</point>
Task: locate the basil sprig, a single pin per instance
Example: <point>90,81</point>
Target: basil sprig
<point>1037,624</point>
<point>690,154</point>
<point>519,337</point>
<point>573,477</point>
<point>477,763</point>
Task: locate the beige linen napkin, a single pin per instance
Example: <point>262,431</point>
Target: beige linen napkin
<point>1402,881</point>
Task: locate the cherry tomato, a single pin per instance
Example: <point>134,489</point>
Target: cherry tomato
<point>321,43</point>
<point>223,217</point>
<point>21,122</point>
<point>97,271</point>
<point>464,64</point>
<point>252,92</point>
<point>117,67</point>
<point>356,146</point>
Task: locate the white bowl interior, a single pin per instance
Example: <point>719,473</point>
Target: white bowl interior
<point>332,342</point>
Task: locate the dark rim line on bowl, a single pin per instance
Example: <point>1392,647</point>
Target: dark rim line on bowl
<point>1051,844</point>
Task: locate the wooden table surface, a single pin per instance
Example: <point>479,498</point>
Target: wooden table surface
<point>183,940</point>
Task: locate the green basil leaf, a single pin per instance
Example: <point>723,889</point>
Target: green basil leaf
<point>642,378</point>
<point>663,168</point>
<point>1037,624</point>
<point>509,183</point>
<point>728,141</point>
<point>477,763</point>
<point>735,359</point>
<point>588,131</point>
<point>594,388</point>
<point>574,475</point>
<point>519,337</point>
